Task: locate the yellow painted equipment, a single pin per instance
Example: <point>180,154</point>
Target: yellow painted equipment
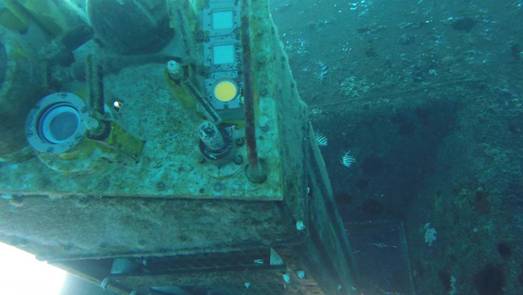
<point>225,91</point>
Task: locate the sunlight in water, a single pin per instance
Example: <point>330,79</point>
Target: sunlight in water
<point>22,274</point>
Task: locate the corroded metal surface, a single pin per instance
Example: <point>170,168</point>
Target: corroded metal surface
<point>170,165</point>
<point>91,227</point>
<point>171,205</point>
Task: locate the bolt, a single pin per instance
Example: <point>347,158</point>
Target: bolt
<point>240,141</point>
<point>264,123</point>
<point>218,186</point>
<point>238,159</point>
<point>174,70</point>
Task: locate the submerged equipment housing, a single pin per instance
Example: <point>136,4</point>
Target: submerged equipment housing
<point>161,147</point>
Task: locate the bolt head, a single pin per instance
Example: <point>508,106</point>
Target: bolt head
<point>238,159</point>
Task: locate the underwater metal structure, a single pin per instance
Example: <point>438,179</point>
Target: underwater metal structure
<point>161,147</point>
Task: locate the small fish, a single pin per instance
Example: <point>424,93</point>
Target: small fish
<point>324,70</point>
<point>258,261</point>
<point>117,105</point>
<point>347,159</point>
<point>321,140</point>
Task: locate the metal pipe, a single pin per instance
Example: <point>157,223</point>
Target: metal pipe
<point>95,84</point>
<point>255,171</point>
<point>210,112</point>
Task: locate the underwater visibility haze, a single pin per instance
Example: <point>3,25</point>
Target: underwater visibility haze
<point>198,147</point>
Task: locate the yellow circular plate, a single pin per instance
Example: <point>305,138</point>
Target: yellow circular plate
<point>225,91</point>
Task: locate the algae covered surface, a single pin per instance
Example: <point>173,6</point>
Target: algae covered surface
<point>167,167</point>
<point>417,109</point>
<point>427,97</point>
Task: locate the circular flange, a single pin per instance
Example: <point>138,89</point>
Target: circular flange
<point>57,123</point>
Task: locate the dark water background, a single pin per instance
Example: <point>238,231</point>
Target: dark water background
<point>428,97</point>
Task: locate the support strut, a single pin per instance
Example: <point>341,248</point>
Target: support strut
<point>254,169</point>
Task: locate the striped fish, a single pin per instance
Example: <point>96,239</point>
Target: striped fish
<point>347,159</point>
<point>321,140</point>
